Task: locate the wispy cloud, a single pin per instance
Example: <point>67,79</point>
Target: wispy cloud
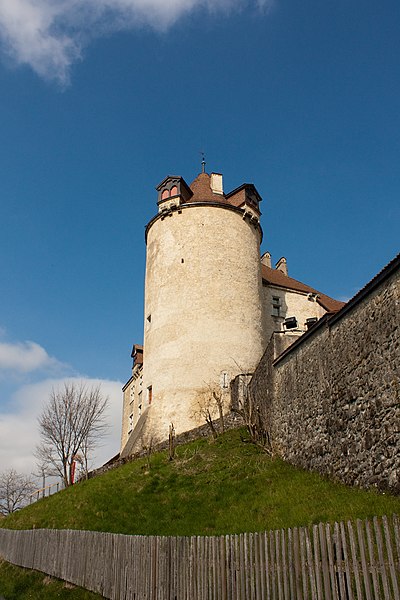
<point>27,376</point>
<point>25,357</point>
<point>19,430</point>
<point>49,35</point>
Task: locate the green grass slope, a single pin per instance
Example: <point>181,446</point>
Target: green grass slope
<point>212,487</point>
<point>24,584</point>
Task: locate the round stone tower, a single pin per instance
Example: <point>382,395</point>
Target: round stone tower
<point>203,310</point>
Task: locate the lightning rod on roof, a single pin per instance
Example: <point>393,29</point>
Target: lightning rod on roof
<point>203,162</point>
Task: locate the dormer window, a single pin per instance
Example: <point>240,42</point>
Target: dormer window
<point>172,191</point>
<point>169,193</point>
<point>245,195</point>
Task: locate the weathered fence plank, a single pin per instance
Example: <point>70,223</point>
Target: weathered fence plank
<point>291,567</point>
<point>311,570</point>
<point>348,579</point>
<point>293,564</point>
<point>317,562</point>
<point>267,567</point>
<point>354,561</point>
<point>396,531</point>
<point>323,538</point>
<point>338,557</point>
<point>388,544</point>
<point>284,566</point>
<point>297,564</point>
<point>382,566</point>
<point>278,565</point>
<point>364,565</point>
<point>372,563</point>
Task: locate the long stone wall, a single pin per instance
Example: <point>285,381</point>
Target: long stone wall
<point>331,402</point>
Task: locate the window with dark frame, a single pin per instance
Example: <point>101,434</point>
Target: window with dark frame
<point>276,306</point>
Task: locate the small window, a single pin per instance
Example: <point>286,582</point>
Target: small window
<point>149,394</point>
<point>149,318</point>
<point>130,422</point>
<point>276,306</point>
<point>224,380</point>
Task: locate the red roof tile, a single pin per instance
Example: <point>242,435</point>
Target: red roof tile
<point>202,191</point>
<point>275,277</point>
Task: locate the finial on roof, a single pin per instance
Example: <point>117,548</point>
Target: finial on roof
<point>203,162</point>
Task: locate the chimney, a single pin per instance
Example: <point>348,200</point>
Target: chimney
<point>281,265</point>
<point>266,259</point>
<point>216,184</point>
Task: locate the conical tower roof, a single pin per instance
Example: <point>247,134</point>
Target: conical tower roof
<point>202,192</point>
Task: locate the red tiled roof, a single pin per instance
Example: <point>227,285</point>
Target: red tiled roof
<point>137,354</point>
<point>202,191</point>
<point>275,277</point>
<point>238,198</point>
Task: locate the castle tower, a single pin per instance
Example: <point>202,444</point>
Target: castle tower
<point>203,310</point>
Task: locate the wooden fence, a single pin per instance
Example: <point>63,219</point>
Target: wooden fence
<point>48,490</point>
<point>324,562</point>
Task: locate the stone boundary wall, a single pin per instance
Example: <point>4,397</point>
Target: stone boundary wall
<point>331,402</point>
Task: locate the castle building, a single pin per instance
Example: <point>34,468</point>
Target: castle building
<point>211,306</point>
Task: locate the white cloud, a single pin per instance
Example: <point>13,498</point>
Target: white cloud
<point>19,430</point>
<point>48,35</point>
<point>25,357</point>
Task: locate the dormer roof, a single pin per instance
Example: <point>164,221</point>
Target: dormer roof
<point>170,179</point>
<point>174,185</point>
<point>243,193</point>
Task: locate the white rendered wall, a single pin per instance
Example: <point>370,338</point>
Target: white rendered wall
<point>293,304</point>
<point>203,309</point>
<point>132,400</point>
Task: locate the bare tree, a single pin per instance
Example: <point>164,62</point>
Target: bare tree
<point>15,490</point>
<point>250,412</point>
<point>211,405</point>
<point>71,424</point>
<point>148,443</point>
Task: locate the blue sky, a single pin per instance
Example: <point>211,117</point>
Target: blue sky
<point>100,100</point>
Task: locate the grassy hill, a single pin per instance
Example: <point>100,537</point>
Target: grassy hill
<point>24,584</point>
<point>212,487</point>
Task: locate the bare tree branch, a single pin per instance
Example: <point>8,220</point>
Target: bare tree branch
<point>249,411</point>
<point>14,491</point>
<point>212,404</point>
<point>71,425</point>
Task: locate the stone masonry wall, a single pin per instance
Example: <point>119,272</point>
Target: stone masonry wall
<point>332,402</point>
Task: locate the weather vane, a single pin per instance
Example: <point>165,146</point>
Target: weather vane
<point>203,162</point>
